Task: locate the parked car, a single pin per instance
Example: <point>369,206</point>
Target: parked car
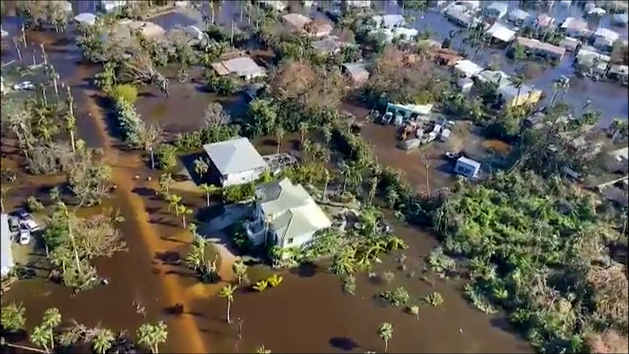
<point>451,155</point>
<point>14,224</point>
<point>24,86</point>
<point>30,224</point>
<point>24,238</point>
<point>22,214</point>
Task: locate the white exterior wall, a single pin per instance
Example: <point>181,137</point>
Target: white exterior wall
<point>298,241</point>
<point>235,179</point>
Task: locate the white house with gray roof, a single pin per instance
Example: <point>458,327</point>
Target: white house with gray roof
<point>285,215</point>
<point>6,256</point>
<point>234,162</point>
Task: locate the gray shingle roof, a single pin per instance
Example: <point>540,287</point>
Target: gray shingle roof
<point>233,156</point>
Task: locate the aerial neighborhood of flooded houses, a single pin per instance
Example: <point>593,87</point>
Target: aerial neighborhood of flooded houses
<point>182,176</point>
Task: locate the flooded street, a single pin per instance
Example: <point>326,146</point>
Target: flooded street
<point>308,312</point>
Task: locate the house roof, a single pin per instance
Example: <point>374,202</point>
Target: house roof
<point>389,20</point>
<point>469,162</point>
<point>298,21</point>
<point>606,33</point>
<point>468,67</point>
<point>499,7</point>
<point>620,19</point>
<point>544,20</point>
<point>86,18</point>
<point>510,91</point>
<point>497,77</point>
<point>358,71</point>
<point>241,66</point>
<point>289,209</point>
<point>233,156</point>
<point>326,45</point>
<point>518,15</point>
<point>536,44</point>
<point>460,13</point>
<point>7,253</point>
<point>501,32</point>
<point>573,23</point>
<point>622,153</point>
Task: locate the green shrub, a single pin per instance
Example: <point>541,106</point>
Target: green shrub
<point>125,92</point>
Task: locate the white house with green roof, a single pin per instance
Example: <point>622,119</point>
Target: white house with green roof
<point>285,215</point>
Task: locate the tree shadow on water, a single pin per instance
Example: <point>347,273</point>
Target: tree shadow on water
<point>343,343</point>
<point>169,257</point>
<point>305,270</point>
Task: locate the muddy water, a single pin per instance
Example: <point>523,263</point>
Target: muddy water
<point>309,312</point>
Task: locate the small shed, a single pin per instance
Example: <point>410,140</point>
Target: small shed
<point>496,10</point>
<point>296,22</point>
<point>85,18</point>
<point>467,167</point>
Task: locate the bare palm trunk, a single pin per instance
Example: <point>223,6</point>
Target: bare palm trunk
<point>43,54</point>
<point>17,49</point>
<point>386,346</point>
<point>72,142</point>
<point>207,198</point>
<point>1,204</point>
<point>183,220</point>
<point>24,347</point>
<point>152,158</point>
<point>325,188</point>
<point>229,310</point>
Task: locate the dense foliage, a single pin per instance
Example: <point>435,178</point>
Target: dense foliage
<point>540,250</point>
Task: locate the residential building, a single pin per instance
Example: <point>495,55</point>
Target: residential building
<point>501,33</point>
<point>514,96</point>
<point>575,27</point>
<point>518,17</point>
<point>618,160</point>
<point>467,69</point>
<point>357,4</point>
<point>467,167</point>
<point>620,20</point>
<point>496,10</point>
<point>570,44</point>
<point>497,77</point>
<point>319,28</point>
<point>285,215</point>
<point>410,111</point>
<point>389,21</point>
<point>590,60</point>
<point>357,72</point>
<point>461,16</point>
<point>111,5</point>
<point>274,4</point>
<point>604,39</point>
<point>539,48</point>
<point>6,262</point>
<point>544,21</point>
<point>243,67</point>
<point>328,45</point>
<point>295,22</point>
<point>471,5</point>
<point>234,162</point>
<point>401,33</point>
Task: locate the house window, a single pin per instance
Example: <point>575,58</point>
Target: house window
<point>289,241</point>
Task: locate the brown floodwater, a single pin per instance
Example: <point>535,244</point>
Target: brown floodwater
<point>308,312</point>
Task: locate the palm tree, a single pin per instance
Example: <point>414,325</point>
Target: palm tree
<point>173,201</point>
<point>152,335</point>
<point>327,134</point>
<point>103,341</point>
<point>183,211</point>
<point>70,125</point>
<point>373,186</point>
<point>227,292</point>
<point>149,135</point>
<point>200,167</point>
<point>165,182</point>
<point>279,134</point>
<point>3,193</point>
<point>64,209</point>
<point>385,332</point>
<point>40,336</point>
<point>326,175</point>
<point>262,350</point>
<point>343,262</point>
<point>240,269</point>
<point>304,127</point>
<point>517,81</point>
<point>208,189</point>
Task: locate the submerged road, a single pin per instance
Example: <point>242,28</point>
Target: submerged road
<point>183,333</point>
